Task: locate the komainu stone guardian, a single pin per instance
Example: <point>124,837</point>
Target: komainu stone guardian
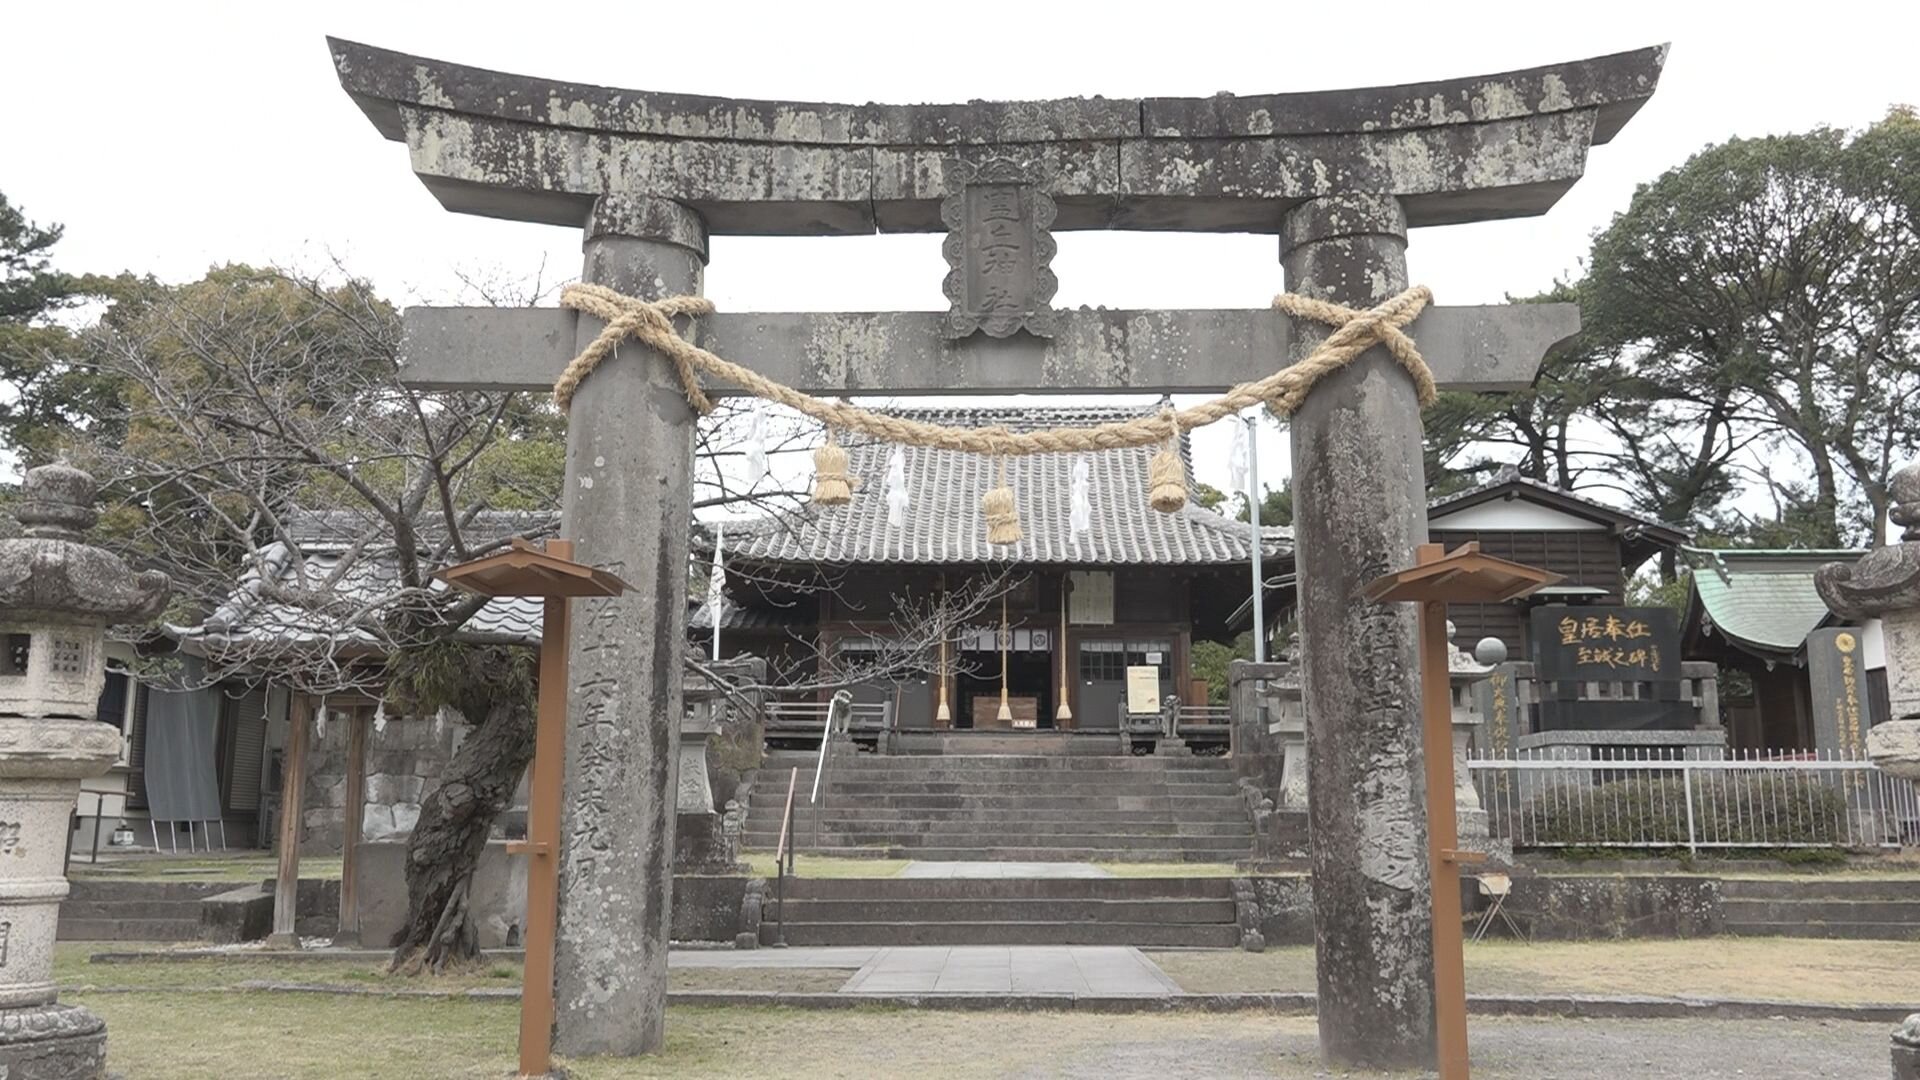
<point>58,595</point>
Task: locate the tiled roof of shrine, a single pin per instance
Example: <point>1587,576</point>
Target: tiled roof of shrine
<point>943,522</point>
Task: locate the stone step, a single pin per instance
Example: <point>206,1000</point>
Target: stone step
<point>859,789</point>
<point>934,890</point>
<point>1003,762</point>
<point>1226,846</point>
<point>1171,911</point>
<point>1022,854</point>
<point>1895,931</point>
<point>1818,888</point>
<point>1030,778</point>
<point>909,800</point>
<point>770,813</point>
<point>101,888</point>
<point>184,910</point>
<point>1820,910</point>
<point>926,826</point>
<point>117,929</point>
<point>1147,934</point>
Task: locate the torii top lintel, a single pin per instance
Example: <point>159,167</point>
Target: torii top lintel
<point>1456,150</point>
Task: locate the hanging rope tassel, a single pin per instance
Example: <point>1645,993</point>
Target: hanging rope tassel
<point>1167,473</point>
<point>1003,517</point>
<point>830,484</point>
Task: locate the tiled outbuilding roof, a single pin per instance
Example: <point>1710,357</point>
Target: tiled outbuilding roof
<point>1762,601</point>
<point>249,619</point>
<point>943,522</point>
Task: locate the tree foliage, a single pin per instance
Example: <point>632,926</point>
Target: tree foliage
<point>43,393</point>
<point>1750,322</point>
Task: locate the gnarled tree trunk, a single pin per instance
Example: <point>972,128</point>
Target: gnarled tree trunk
<point>455,820</point>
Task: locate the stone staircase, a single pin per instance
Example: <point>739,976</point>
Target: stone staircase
<point>1811,907</point>
<point>1163,912</point>
<point>992,807</point>
<point>99,909</point>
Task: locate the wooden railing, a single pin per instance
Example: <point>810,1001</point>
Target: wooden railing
<point>790,718</point>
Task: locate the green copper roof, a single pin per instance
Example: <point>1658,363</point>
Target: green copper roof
<point>1762,601</point>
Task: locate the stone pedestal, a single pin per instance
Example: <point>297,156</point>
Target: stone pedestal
<point>702,842</point>
<point>1474,835</point>
<point>57,597</point>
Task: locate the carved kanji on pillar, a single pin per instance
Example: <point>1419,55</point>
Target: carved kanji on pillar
<point>1000,246</point>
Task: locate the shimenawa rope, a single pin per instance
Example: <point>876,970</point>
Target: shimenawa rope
<point>651,324</point>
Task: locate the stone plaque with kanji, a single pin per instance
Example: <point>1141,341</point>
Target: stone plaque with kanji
<point>1000,249</point>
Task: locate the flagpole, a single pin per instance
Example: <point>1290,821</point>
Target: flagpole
<point>716,596</point>
<point>1253,520</point>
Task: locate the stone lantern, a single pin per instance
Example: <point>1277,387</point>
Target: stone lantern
<point>1463,673</point>
<point>58,595</point>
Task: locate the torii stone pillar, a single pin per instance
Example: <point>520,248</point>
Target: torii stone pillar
<point>1359,494</point>
<point>628,509</point>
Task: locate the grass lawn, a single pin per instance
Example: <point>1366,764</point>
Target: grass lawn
<point>239,869</point>
<point>1797,969</point>
<point>180,1020</point>
<point>187,1036</point>
<point>76,975</point>
<point>826,866</point>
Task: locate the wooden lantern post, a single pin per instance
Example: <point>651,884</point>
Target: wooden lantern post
<point>1439,577</point>
<point>553,576</point>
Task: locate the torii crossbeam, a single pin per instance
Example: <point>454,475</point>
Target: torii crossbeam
<point>1339,176</point>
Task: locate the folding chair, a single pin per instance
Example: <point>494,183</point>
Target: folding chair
<point>1497,887</point>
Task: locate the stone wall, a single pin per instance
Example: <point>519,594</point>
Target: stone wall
<point>1557,907</point>
<point>1575,907</point>
<point>404,762</point>
<point>705,908</point>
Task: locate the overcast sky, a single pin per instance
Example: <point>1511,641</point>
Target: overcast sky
<point>170,137</point>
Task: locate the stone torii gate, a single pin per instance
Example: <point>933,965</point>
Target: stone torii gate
<point>1339,176</point>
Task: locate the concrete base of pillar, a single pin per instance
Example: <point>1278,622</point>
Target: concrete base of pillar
<point>52,1042</point>
<point>1172,748</point>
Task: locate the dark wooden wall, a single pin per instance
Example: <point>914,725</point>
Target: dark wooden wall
<point>1590,557</point>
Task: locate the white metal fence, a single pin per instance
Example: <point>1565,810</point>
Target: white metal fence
<point>1659,798</point>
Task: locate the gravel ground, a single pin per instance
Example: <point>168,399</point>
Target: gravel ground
<point>1510,1049</point>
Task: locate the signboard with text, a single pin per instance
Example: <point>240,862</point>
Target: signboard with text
<point>1606,644</point>
<point>1143,689</point>
<point>1837,677</point>
<point>1576,647</point>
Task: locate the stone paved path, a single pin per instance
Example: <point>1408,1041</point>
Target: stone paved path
<point>920,869</point>
<point>1002,969</point>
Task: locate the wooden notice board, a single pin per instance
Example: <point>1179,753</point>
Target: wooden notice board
<point>1143,688</point>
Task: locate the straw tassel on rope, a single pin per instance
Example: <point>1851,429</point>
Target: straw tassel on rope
<point>1002,516</point>
<point>651,324</point>
<point>1167,473</point>
<point>830,484</point>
